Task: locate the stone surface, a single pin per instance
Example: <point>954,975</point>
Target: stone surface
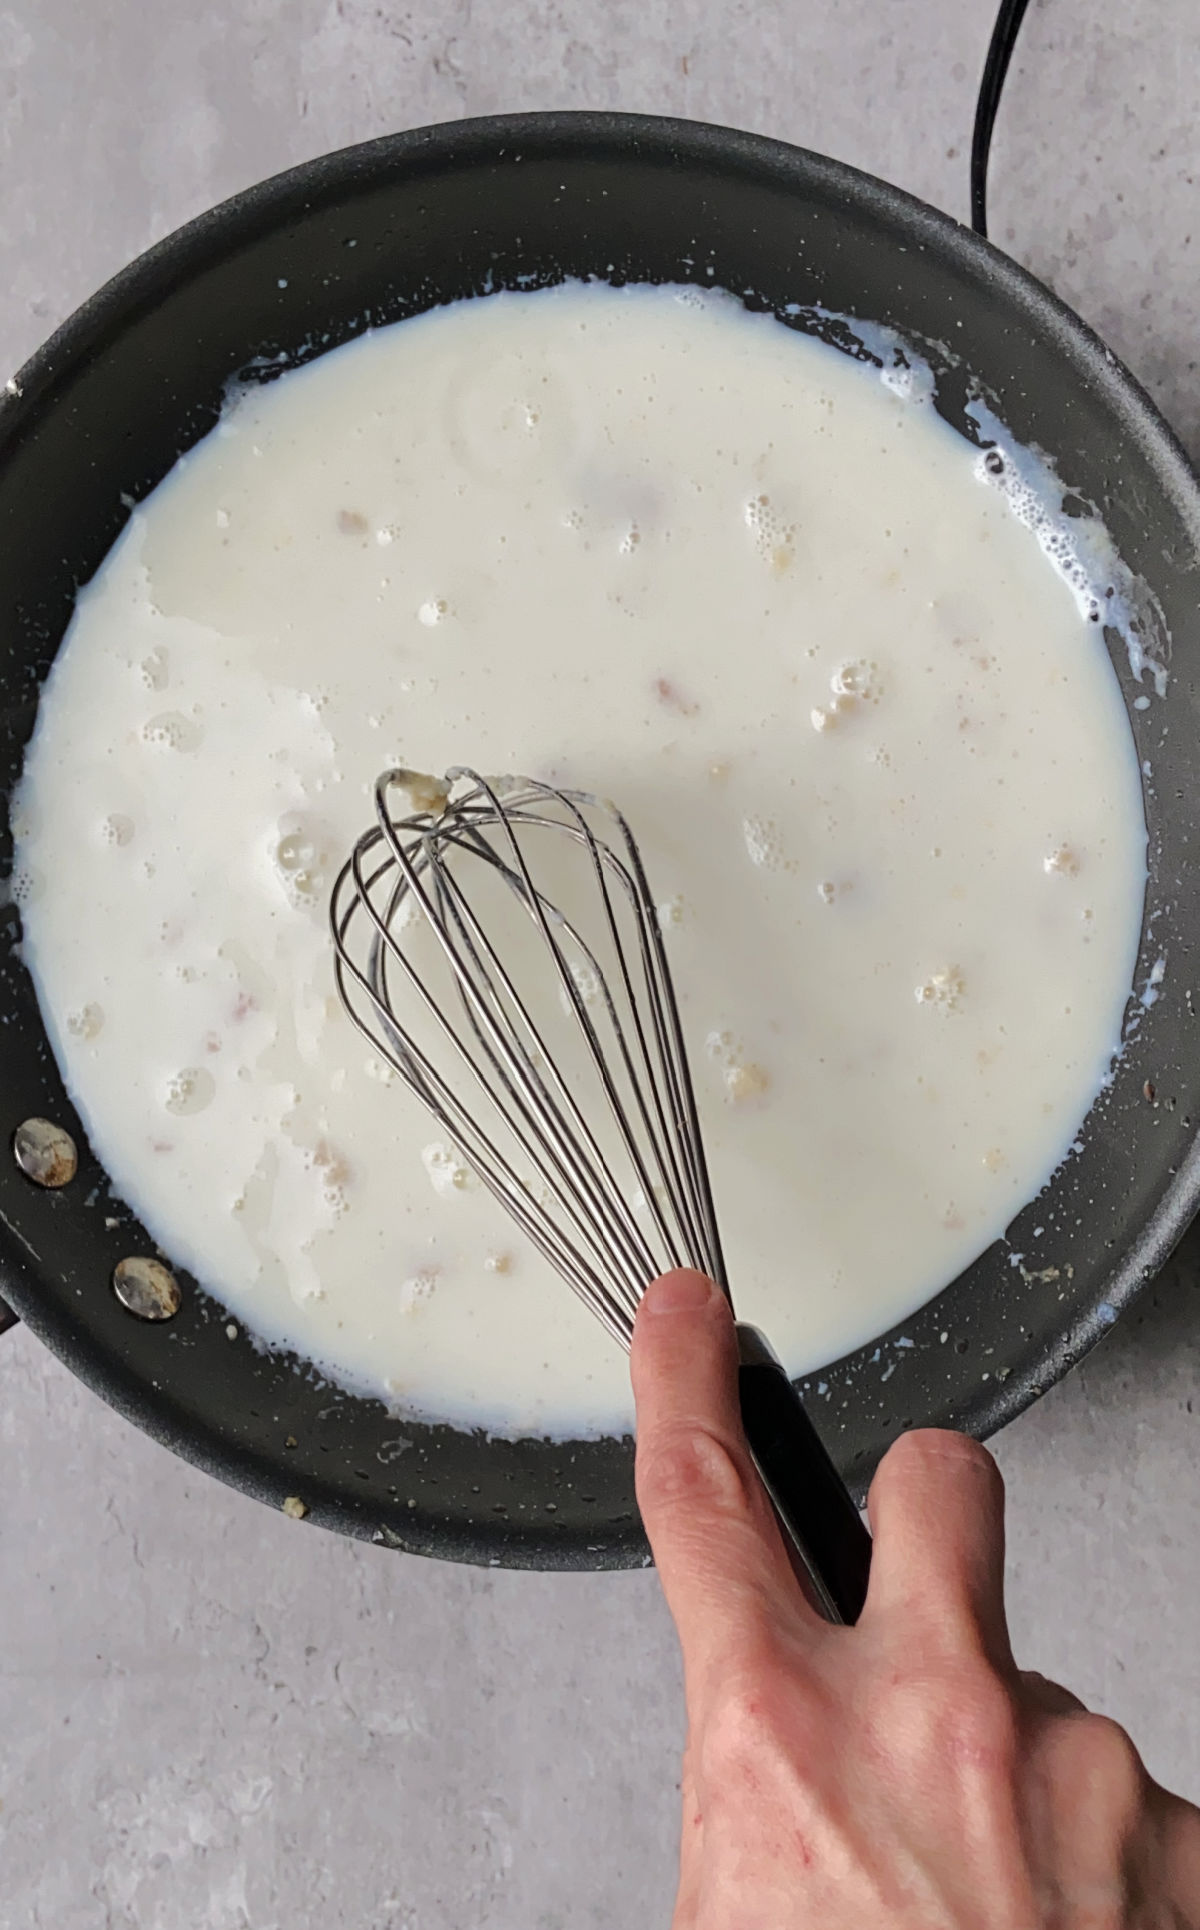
<point>214,1718</point>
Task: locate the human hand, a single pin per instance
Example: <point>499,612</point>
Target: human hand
<point>902,1774</point>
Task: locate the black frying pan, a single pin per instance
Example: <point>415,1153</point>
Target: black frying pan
<point>271,278</point>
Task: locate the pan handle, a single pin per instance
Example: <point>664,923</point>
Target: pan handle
<point>7,1317</point>
<point>821,1523</point>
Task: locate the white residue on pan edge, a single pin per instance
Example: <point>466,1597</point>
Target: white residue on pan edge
<point>1079,547</point>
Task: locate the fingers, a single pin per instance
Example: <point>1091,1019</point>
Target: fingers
<point>720,1558</point>
<point>937,1511</point>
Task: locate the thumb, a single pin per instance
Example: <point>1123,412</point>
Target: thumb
<point>718,1551</point>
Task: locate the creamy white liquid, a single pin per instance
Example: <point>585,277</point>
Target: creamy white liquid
<point>646,544</point>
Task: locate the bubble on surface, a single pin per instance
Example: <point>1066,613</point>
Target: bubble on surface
<point>86,1022</point>
<point>764,847</point>
<point>189,1091</point>
<point>446,1170</point>
<point>742,1079</point>
<point>859,680</point>
<point>172,731</point>
<point>434,610</point>
<point>301,860</point>
<point>418,1289</point>
<point>586,980</point>
<point>942,991</point>
<point>774,536</point>
<point>154,670</point>
<point>116,830</point>
<point>1062,862</point>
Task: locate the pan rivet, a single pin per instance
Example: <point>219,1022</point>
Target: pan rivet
<point>147,1288</point>
<point>45,1153</point>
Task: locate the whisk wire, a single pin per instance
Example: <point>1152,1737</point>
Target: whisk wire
<point>567,1138</point>
<point>548,916</point>
<point>479,1148</point>
<point>611,1202</point>
<point>534,1136</point>
<point>564,1191</point>
<point>686,1186</point>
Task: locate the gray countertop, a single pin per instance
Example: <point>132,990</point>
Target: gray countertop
<point>214,1718</point>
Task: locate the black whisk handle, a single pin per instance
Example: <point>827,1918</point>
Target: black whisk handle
<point>812,1502</point>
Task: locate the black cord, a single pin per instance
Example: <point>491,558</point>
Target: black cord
<point>991,86</point>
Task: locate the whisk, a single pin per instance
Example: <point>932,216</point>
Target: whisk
<point>558,1069</point>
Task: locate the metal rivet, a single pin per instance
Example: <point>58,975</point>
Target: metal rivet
<point>147,1288</point>
<point>45,1153</point>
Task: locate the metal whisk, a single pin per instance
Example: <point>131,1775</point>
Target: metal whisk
<point>558,1069</point>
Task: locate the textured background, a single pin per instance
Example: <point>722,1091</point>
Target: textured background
<point>212,1718</point>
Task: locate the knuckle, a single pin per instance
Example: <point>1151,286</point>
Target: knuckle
<point>964,1719</point>
<point>762,1724</point>
<point>1099,1766</point>
<point>692,1468</point>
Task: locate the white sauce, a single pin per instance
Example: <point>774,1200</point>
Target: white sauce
<point>643,543</point>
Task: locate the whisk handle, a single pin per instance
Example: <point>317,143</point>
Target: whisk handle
<point>809,1496</point>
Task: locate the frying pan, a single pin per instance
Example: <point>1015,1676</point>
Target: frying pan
<point>375,233</point>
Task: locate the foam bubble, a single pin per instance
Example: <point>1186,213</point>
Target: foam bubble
<point>154,670</point>
<point>858,680</point>
<point>116,829</point>
<point>586,980</point>
<point>942,991</point>
<point>741,1078</point>
<point>763,845</point>
<point>415,1291</point>
<point>189,1091</point>
<point>447,1172</point>
<point>172,731</point>
<point>301,861</point>
<point>86,1022</point>
<point>774,536</point>
<point>1063,862</point>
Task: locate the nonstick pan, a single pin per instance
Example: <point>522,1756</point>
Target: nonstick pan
<point>378,232</point>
